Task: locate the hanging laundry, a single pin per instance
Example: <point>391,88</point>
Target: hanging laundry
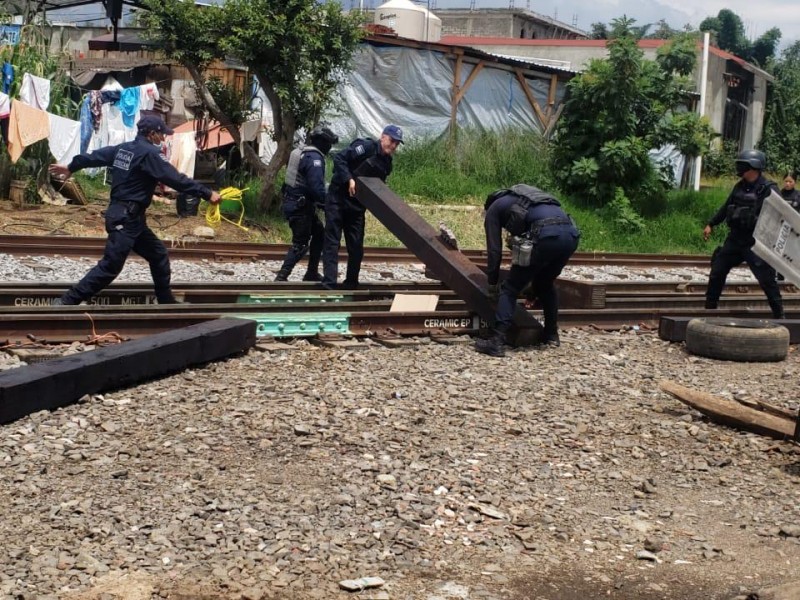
<point>183,152</point>
<point>96,108</point>
<point>129,105</point>
<point>148,95</point>
<point>86,123</point>
<point>65,138</point>
<point>8,76</point>
<point>5,105</point>
<point>26,126</point>
<point>35,91</point>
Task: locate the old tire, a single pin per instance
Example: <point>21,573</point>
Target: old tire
<point>743,340</point>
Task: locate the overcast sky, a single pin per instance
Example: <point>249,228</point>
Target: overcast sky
<point>757,15</point>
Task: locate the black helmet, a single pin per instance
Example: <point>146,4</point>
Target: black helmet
<point>322,138</point>
<point>750,159</point>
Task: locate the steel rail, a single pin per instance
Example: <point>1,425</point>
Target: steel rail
<point>248,252</point>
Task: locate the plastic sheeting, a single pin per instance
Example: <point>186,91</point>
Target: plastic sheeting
<point>413,88</point>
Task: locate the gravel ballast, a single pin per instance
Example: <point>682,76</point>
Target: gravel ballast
<point>551,474</point>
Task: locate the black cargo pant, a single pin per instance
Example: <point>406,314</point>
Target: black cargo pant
<point>127,230</point>
<point>734,252</point>
<point>342,216</point>
<point>307,237</point>
<point>553,250</point>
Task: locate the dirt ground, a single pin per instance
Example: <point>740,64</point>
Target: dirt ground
<point>87,221</point>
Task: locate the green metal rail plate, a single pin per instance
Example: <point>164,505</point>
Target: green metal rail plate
<point>299,324</point>
<point>289,298</point>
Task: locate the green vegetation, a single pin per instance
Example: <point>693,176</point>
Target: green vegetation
<point>451,186</point>
<point>781,139</point>
<point>298,51</point>
<point>617,111</point>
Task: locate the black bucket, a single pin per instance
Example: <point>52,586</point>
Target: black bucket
<point>187,205</point>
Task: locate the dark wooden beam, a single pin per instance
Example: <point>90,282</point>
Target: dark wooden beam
<point>62,381</point>
<point>454,269</point>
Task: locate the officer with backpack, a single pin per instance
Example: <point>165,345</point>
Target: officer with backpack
<point>740,213</point>
<point>542,237</point>
<point>303,194</point>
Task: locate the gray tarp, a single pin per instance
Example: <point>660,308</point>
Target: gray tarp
<point>413,87</point>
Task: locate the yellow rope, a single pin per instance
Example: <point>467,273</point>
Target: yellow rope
<point>213,215</point>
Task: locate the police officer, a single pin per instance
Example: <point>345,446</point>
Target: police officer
<point>303,194</point>
<point>789,192</point>
<point>740,213</point>
<point>343,213</point>
<point>543,237</point>
<point>136,168</point>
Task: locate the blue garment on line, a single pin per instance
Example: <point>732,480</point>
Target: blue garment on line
<point>8,76</point>
<point>86,124</point>
<point>129,105</point>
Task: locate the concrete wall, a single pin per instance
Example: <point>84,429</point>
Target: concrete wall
<point>502,23</point>
<point>578,58</point>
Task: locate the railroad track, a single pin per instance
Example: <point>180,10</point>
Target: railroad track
<point>248,252</point>
<point>293,310</point>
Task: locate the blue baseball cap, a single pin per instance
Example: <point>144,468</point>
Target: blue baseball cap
<point>394,132</point>
<point>150,123</point>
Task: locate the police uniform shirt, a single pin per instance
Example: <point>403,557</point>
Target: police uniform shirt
<point>136,168</point>
<point>349,159</point>
<point>312,175</point>
<point>762,186</point>
<point>792,197</point>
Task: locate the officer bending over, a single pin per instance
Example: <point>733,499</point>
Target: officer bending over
<point>740,212</point>
<point>343,213</point>
<point>136,168</point>
<point>543,237</point>
<point>303,194</point>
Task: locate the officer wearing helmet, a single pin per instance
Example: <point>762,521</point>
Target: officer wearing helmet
<point>740,212</point>
<point>303,194</point>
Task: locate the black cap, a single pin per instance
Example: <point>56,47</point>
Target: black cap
<point>152,123</point>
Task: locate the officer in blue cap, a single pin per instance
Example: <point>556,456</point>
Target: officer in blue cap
<point>364,157</point>
<point>136,168</point>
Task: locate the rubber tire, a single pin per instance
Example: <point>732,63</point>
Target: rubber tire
<point>742,340</point>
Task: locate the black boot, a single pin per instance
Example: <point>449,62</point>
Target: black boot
<point>169,300</point>
<point>492,346</point>
<point>282,275</point>
<point>309,276</point>
<point>551,339</point>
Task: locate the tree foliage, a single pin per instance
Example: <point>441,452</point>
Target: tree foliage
<point>298,51</point>
<point>616,112</point>
<point>728,32</point>
<point>781,140</point>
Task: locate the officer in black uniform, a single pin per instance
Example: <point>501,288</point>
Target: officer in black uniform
<point>343,213</point>
<point>303,194</point>
<point>136,168</point>
<point>740,212</point>
<point>789,192</point>
<point>543,237</point>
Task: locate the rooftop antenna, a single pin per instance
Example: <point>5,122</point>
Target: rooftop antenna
<point>574,19</point>
<point>472,4</point>
<point>510,3</point>
<point>527,4</point>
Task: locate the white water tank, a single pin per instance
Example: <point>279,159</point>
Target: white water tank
<point>409,20</point>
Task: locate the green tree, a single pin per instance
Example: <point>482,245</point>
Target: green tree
<point>728,32</point>
<point>781,140</point>
<point>619,109</point>
<point>298,51</point>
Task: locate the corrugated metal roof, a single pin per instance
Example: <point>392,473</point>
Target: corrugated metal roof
<point>560,65</point>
